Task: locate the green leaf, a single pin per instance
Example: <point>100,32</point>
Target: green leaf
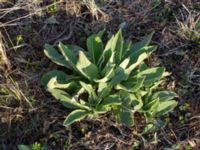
<point>88,88</point>
<point>149,128</point>
<point>88,69</point>
<point>107,77</point>
<point>100,33</point>
<point>111,100</point>
<point>66,99</point>
<point>120,76</point>
<point>52,54</point>
<point>91,92</point>
<point>117,46</point>
<point>75,49</point>
<point>95,47</point>
<point>103,60</point>
<point>61,76</point>
<point>126,118</point>
<point>164,95</point>
<point>101,109</point>
<point>135,54</point>
<point>152,75</point>
<point>138,85</point>
<point>126,48</point>
<point>146,40</point>
<point>70,85</point>
<point>151,106</point>
<point>125,63</point>
<point>67,53</point>
<point>101,86</point>
<point>140,59</point>
<point>130,101</point>
<point>131,87</point>
<point>23,147</point>
<point>75,116</point>
<point>112,50</point>
<point>165,107</point>
<point>130,82</point>
<point>69,56</point>
<point>103,89</point>
<point>143,66</point>
<point>107,68</point>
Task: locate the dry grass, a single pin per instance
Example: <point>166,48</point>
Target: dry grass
<point>4,62</point>
<point>189,25</point>
<point>29,114</point>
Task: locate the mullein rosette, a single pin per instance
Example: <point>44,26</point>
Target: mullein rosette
<point>108,78</point>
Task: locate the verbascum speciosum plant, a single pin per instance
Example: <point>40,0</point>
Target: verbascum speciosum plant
<point>111,78</point>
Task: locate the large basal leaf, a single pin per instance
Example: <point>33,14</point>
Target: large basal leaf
<point>120,76</point>
<point>67,53</point>
<point>134,55</point>
<point>107,69</point>
<point>126,48</point>
<point>152,75</point>
<point>165,107</point>
<point>113,50</point>
<point>75,49</point>
<point>130,101</point>
<point>132,87</point>
<point>138,85</point>
<point>107,76</point>
<point>113,47</point>
<point>143,66</point>
<point>95,47</point>
<point>125,63</point>
<point>103,89</point>
<point>66,99</point>
<point>101,109</point>
<point>52,54</point>
<point>130,82</point>
<point>93,99</point>
<point>112,100</point>
<point>61,76</point>
<point>151,106</point>
<point>69,56</point>
<point>69,86</point>
<point>103,60</point>
<point>164,95</point>
<point>75,116</point>
<point>137,46</point>
<point>88,69</point>
<point>117,46</point>
<point>126,117</point>
<point>140,59</point>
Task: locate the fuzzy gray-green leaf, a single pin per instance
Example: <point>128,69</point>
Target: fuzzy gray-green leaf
<point>126,118</point>
<point>146,40</point>
<point>95,47</point>
<point>152,75</point>
<point>53,54</point>
<point>61,76</point>
<point>66,99</point>
<point>164,95</point>
<point>165,107</point>
<point>88,69</point>
<point>75,116</point>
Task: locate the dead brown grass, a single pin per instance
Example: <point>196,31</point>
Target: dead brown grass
<point>29,114</point>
